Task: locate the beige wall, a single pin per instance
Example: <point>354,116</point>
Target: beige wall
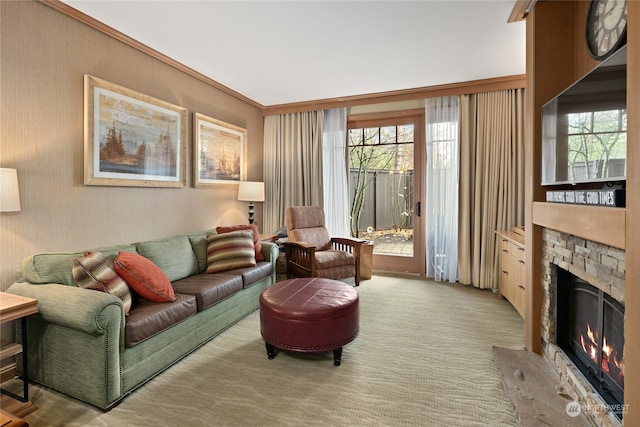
<point>43,58</point>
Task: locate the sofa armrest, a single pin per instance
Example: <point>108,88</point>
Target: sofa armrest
<point>89,311</point>
<point>75,341</point>
<point>270,251</point>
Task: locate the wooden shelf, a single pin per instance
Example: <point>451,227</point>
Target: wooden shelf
<point>8,372</point>
<point>597,223</point>
<point>9,350</point>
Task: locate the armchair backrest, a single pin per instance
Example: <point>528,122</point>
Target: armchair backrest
<point>306,224</point>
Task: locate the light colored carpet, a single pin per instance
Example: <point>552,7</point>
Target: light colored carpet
<point>423,358</point>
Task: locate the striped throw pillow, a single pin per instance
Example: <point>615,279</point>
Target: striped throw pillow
<point>95,271</point>
<point>227,251</point>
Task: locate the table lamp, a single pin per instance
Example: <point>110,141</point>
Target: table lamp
<point>249,191</point>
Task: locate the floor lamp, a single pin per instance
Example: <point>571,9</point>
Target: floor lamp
<point>249,191</point>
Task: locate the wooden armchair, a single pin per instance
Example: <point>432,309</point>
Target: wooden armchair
<point>311,252</point>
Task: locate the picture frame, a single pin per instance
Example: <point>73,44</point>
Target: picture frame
<point>132,139</point>
<point>219,152</point>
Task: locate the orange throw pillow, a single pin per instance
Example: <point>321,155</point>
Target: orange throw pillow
<point>256,236</point>
<point>144,277</point>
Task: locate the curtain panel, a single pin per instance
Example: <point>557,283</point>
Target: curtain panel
<point>292,161</point>
<point>334,165</point>
<point>442,172</point>
<point>491,179</point>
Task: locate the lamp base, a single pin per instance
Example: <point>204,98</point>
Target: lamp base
<point>251,213</point>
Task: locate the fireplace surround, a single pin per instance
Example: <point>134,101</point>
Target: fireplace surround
<point>601,270</point>
<point>590,330</point>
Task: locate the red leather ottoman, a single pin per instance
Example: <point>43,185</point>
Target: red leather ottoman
<point>310,315</point>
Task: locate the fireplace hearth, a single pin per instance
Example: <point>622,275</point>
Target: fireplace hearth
<point>590,330</point>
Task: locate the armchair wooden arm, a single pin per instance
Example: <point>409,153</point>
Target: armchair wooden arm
<point>300,259</point>
<point>348,244</point>
<point>301,256</point>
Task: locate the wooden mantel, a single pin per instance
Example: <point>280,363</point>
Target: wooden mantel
<point>596,223</point>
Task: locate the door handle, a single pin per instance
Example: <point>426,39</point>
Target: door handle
<point>418,209</point>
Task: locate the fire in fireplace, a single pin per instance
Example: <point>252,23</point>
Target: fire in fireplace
<point>591,332</point>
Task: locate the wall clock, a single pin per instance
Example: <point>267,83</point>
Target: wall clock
<point>606,27</point>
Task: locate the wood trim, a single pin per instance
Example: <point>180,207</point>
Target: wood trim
<point>520,10</point>
<point>475,86</point>
<point>597,223</point>
<point>550,69</point>
<point>112,32</point>
<point>394,117</point>
<point>632,291</point>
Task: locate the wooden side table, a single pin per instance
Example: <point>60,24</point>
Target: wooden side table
<point>16,307</point>
<point>269,237</point>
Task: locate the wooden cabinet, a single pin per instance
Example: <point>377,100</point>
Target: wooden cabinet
<point>511,267</point>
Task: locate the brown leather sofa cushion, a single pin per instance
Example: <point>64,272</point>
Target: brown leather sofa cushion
<point>251,275</point>
<point>193,293</point>
<point>148,318</point>
<point>209,289</point>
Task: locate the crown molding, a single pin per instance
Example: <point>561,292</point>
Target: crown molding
<point>462,88</point>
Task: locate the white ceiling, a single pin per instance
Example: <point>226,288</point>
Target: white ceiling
<point>278,52</point>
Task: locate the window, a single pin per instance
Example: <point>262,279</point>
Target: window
<point>597,144</point>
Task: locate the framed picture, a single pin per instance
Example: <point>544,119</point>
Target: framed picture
<point>219,152</point>
<point>131,139</point>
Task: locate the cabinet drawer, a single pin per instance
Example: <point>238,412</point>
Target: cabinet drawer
<point>511,272</point>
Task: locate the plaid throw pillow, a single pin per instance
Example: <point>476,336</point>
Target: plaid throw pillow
<point>94,271</point>
<point>231,250</point>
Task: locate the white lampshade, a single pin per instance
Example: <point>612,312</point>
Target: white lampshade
<point>251,191</point>
<point>9,194</point>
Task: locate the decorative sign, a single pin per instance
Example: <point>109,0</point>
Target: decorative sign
<point>615,198</point>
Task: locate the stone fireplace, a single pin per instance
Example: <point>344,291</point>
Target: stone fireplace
<point>601,268</point>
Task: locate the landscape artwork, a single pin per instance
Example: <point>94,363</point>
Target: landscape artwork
<point>219,152</point>
<point>132,139</point>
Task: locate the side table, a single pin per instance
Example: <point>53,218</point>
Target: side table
<point>16,307</point>
<point>269,237</point>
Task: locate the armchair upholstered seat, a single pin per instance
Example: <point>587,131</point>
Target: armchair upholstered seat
<point>312,252</point>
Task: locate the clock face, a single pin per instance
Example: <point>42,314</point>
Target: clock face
<point>606,27</point>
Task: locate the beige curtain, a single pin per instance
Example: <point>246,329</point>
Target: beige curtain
<point>491,179</point>
<point>292,164</point>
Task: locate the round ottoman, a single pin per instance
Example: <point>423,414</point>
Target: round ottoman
<point>309,315</point>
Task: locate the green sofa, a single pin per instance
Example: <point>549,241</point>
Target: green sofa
<point>79,342</point>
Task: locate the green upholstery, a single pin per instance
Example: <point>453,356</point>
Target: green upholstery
<point>76,340</point>
<point>173,255</point>
<point>56,267</point>
<point>199,244</point>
